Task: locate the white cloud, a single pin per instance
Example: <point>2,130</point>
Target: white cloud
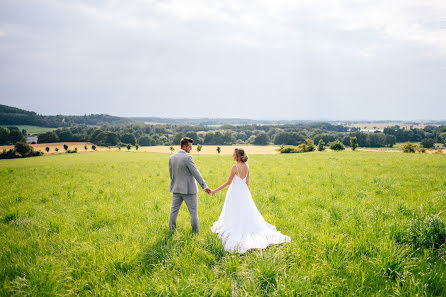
<point>314,56</point>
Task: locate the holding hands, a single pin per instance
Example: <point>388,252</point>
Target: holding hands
<point>210,192</point>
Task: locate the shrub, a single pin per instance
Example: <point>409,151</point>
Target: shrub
<point>337,145</point>
<point>353,143</point>
<point>85,147</point>
<point>20,150</point>
<point>47,149</point>
<point>420,148</point>
<point>301,148</point>
<point>321,145</point>
<point>129,146</point>
<point>310,145</point>
<point>218,149</point>
<point>23,149</point>
<point>136,147</point>
<point>93,147</point>
<point>65,147</point>
<point>287,149</point>
<point>8,154</point>
<point>408,147</point>
<point>199,146</point>
<point>56,149</point>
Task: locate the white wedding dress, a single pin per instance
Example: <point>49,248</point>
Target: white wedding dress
<point>241,226</point>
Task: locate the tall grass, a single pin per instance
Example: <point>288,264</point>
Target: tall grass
<point>96,224</point>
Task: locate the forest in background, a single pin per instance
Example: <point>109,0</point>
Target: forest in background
<point>106,130</point>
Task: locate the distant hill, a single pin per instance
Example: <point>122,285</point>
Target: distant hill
<point>213,122</point>
<point>15,116</point>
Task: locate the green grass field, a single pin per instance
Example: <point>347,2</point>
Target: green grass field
<point>96,224</point>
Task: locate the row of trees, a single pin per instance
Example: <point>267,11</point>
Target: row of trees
<point>149,135</point>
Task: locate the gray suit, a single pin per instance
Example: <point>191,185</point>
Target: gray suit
<point>183,174</point>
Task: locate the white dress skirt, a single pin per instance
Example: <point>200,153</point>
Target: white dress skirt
<point>241,226</point>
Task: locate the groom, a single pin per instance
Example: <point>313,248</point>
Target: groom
<point>182,184</point>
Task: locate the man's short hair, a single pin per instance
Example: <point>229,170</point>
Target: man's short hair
<point>185,141</point>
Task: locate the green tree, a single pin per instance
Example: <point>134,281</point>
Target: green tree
<point>171,149</point>
<point>199,146</point>
<point>23,149</point>
<point>428,142</point>
<point>321,145</point>
<point>136,146</point>
<point>146,140</point>
<point>129,146</point>
<point>4,135</point>
<point>353,143</point>
<point>93,147</point>
<point>16,136</point>
<point>218,150</point>
<point>337,145</point>
<point>47,149</point>
<point>177,138</point>
<point>261,139</point>
<point>56,149</point>
<point>65,135</point>
<point>65,147</point>
<point>128,138</point>
<point>47,137</point>
<point>85,147</point>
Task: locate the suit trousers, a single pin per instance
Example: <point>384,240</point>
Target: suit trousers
<point>192,205</point>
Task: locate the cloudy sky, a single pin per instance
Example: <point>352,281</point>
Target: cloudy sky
<point>252,59</point>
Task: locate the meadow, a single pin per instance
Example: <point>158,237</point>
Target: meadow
<point>31,129</point>
<point>361,223</point>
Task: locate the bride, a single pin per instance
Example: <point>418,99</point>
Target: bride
<point>241,226</point>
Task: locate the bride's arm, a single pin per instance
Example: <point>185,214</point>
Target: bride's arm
<point>228,182</point>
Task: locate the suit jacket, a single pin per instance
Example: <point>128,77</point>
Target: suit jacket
<point>182,173</point>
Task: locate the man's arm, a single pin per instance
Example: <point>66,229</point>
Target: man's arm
<point>170,169</point>
<point>193,169</point>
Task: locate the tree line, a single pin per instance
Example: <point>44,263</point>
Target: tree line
<point>15,116</point>
<point>160,134</point>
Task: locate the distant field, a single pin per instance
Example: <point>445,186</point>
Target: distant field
<point>206,149</point>
<point>31,129</point>
<point>212,149</point>
<point>71,145</point>
<point>384,125</point>
<point>96,224</point>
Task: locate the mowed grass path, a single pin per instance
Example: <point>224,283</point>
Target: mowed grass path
<point>96,224</point>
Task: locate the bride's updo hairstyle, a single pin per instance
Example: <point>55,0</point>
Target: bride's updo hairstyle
<point>241,155</point>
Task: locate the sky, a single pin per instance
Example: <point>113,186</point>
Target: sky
<point>309,60</point>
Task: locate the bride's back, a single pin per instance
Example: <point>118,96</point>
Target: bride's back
<point>242,169</point>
